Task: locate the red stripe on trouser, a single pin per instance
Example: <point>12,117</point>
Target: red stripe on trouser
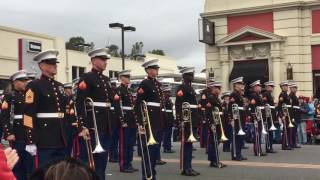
<point>208,136</point>
<point>121,150</point>
<point>36,161</point>
<point>201,143</point>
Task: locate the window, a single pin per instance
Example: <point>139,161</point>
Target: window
<point>77,72</point>
<point>315,21</point>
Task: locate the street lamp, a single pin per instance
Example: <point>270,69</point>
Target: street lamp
<point>123,29</point>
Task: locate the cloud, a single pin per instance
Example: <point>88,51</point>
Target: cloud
<point>170,25</point>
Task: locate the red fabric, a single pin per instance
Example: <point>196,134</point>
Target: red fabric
<point>5,171</point>
<point>316,21</point>
<point>262,21</point>
<point>316,57</point>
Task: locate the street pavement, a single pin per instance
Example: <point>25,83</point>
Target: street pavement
<point>299,164</point>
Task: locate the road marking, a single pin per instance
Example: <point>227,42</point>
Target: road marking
<point>252,164</point>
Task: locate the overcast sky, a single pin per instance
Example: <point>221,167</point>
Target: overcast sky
<point>170,25</point>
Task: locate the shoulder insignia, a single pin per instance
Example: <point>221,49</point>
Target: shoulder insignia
<point>208,105</point>
<point>180,93</point>
<point>140,91</point>
<point>203,96</point>
<point>199,106</point>
<point>281,99</point>
<point>29,96</point>
<point>27,121</point>
<point>4,105</point>
<point>82,85</point>
<point>232,99</point>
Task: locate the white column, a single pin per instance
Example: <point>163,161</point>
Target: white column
<point>276,67</point>
<point>225,68</point>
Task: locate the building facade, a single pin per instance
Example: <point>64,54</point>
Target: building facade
<point>265,40</point>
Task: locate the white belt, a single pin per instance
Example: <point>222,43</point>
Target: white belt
<point>155,104</point>
<point>168,110</point>
<point>101,104</point>
<point>127,108</point>
<point>260,107</point>
<point>111,108</point>
<point>50,115</point>
<point>272,107</point>
<point>193,106</point>
<point>288,106</point>
<point>18,116</point>
<point>296,107</point>
<point>241,108</point>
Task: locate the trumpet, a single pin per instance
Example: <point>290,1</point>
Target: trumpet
<point>217,121</point>
<point>89,103</point>
<point>269,115</point>
<point>236,116</point>
<point>286,114</point>
<point>145,155</point>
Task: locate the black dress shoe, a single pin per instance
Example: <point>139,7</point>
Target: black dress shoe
<point>221,165</point>
<point>197,173</point>
<point>271,151</point>
<point>168,151</point>
<point>188,173</point>
<point>127,171</point>
<point>263,154</point>
<point>287,148</point>
<point>194,149</point>
<point>160,162</point>
<point>297,146</point>
<point>133,169</point>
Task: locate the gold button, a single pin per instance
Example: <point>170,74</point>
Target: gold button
<point>31,142</point>
<point>45,124</point>
<point>29,131</point>
<point>59,109</point>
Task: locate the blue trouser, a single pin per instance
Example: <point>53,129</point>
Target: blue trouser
<point>238,147</point>
<point>46,155</point>
<point>153,154</point>
<point>203,136</point>
<point>70,133</point>
<point>293,142</point>
<point>114,146</point>
<point>270,134</point>
<point>24,166</point>
<point>213,150</point>
<point>100,159</point>
<point>167,138</point>
<point>132,136</point>
<point>159,137</point>
<point>126,143</point>
<point>187,156</point>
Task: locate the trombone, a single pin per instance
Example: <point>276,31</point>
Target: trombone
<point>186,117</point>
<point>217,121</point>
<point>89,103</point>
<point>144,150</point>
<point>236,116</point>
<point>285,110</point>
<point>286,114</point>
<point>269,115</point>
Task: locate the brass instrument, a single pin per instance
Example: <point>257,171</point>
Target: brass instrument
<point>236,116</point>
<point>186,117</point>
<point>89,103</point>
<point>186,114</point>
<point>285,110</point>
<point>144,150</point>
<point>217,121</point>
<point>260,118</point>
<point>269,115</point>
<point>256,130</point>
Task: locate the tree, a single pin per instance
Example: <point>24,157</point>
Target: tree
<point>74,43</point>
<point>113,50</point>
<point>158,52</point>
<point>136,50</point>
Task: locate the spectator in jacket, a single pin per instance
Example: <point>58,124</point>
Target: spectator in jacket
<point>301,123</point>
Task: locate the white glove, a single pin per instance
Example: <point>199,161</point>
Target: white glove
<point>292,119</point>
<point>31,149</point>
